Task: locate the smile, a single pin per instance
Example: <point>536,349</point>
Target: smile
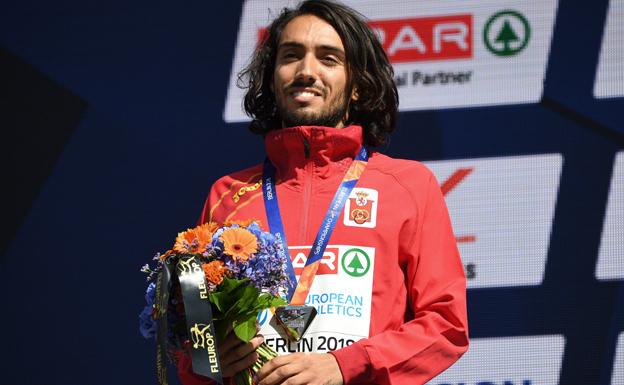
<point>303,93</point>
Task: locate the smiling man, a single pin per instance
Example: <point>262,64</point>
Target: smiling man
<point>310,75</point>
<point>370,234</point>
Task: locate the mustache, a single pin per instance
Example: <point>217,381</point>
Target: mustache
<point>303,84</point>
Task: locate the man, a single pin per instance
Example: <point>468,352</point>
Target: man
<point>320,88</point>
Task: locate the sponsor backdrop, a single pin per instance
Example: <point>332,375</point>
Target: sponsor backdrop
<point>120,115</point>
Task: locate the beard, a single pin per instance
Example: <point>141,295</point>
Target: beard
<point>330,117</point>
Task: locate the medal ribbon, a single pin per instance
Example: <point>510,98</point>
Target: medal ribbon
<point>298,292</point>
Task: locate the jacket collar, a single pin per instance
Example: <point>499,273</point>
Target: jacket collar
<point>312,152</point>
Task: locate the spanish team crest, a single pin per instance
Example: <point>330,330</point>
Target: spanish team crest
<point>361,208</point>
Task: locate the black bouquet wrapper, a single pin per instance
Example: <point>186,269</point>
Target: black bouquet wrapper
<point>186,270</point>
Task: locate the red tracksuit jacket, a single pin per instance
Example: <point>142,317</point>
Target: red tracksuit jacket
<point>413,304</point>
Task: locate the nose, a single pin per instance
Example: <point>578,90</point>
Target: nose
<point>307,69</point>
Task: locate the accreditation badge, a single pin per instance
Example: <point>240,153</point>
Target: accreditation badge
<point>341,295</point>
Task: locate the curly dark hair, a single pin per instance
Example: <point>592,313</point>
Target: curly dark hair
<point>368,71</point>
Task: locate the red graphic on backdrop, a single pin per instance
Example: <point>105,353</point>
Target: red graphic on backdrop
<point>448,185</point>
<point>456,178</point>
<point>426,38</point>
<point>422,38</point>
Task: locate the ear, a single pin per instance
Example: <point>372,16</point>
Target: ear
<point>354,94</point>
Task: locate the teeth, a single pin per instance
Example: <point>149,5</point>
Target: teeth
<point>303,93</point>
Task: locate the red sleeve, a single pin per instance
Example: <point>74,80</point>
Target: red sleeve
<point>186,374</point>
<point>437,334</point>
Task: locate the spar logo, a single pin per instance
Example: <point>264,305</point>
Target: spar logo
<point>328,264</point>
<point>506,33</point>
<point>425,38</point>
<point>356,262</point>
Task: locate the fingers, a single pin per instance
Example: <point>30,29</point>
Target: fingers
<point>236,355</point>
<point>237,366</point>
<point>280,369</point>
<point>234,349</point>
<point>301,369</point>
<point>295,378</point>
<point>230,341</point>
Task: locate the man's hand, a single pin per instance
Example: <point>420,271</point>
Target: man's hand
<point>235,355</point>
<point>301,369</point>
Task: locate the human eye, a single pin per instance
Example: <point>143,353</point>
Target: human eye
<point>288,55</point>
<point>330,59</point>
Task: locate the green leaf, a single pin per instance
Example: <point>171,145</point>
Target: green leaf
<point>245,329</point>
<point>266,300</point>
<point>246,297</point>
<point>227,293</point>
<point>277,301</point>
<point>220,300</point>
<point>239,303</point>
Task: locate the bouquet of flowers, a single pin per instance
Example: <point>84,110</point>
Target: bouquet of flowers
<point>244,274</point>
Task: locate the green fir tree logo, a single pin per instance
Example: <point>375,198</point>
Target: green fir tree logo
<point>506,33</point>
<point>355,262</point>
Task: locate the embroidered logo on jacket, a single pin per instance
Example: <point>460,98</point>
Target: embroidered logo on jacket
<point>245,189</point>
<point>361,208</point>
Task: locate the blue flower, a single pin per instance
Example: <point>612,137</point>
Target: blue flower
<point>217,245</point>
<point>150,294</point>
<point>255,229</point>
<point>147,324</point>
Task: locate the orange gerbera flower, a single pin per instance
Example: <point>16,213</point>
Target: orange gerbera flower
<point>239,243</point>
<point>204,233</point>
<point>242,222</point>
<point>214,271</point>
<point>196,239</point>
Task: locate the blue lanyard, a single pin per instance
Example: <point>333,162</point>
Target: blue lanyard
<point>327,227</point>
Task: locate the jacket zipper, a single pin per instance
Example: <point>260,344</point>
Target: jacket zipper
<point>307,190</point>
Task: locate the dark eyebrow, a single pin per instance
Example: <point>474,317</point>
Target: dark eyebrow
<point>325,47</point>
<point>333,49</point>
<point>289,44</point>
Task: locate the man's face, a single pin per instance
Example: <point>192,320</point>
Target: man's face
<point>310,74</point>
